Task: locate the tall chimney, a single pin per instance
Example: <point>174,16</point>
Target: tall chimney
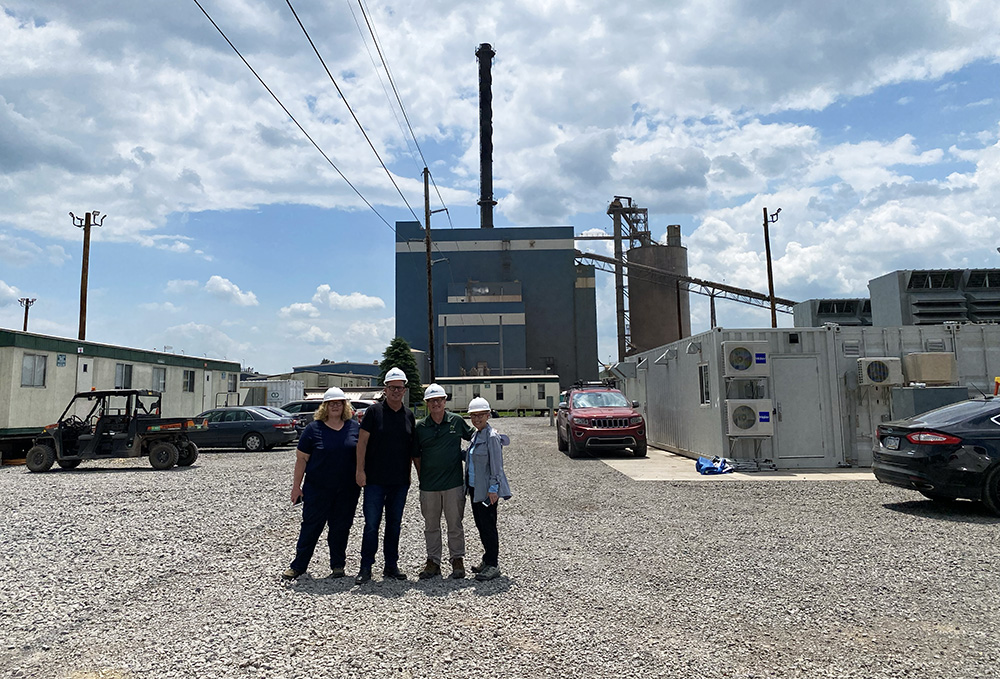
<point>485,54</point>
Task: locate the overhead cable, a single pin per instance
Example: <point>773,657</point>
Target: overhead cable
<point>292,118</point>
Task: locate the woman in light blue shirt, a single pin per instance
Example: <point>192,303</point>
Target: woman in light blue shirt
<point>487,483</point>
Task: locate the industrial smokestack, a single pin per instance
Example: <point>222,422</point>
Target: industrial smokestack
<point>485,54</point>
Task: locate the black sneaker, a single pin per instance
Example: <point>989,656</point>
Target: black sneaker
<point>364,575</point>
<point>392,574</point>
<point>290,574</point>
<point>337,572</point>
<point>479,568</point>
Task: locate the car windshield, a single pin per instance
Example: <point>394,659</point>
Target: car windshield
<point>957,412</point>
<point>266,414</point>
<point>599,399</point>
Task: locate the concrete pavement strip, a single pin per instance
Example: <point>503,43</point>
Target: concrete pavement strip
<point>662,465</point>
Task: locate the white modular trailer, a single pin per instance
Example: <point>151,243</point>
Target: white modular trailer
<point>271,392</point>
<point>39,375</point>
<point>512,393</point>
<point>822,414</point>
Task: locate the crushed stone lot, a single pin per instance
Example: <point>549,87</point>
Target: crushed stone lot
<point>116,570</point>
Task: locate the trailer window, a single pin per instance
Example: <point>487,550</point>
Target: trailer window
<point>33,370</point>
<point>541,392</point>
<point>499,392</point>
<point>703,386</point>
<point>123,376</point>
<point>159,379</point>
<point>233,383</point>
<point>189,381</point>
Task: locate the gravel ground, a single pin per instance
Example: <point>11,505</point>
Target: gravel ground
<point>116,570</point>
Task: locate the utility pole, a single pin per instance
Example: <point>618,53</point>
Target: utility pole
<point>89,219</point>
<point>767,251</point>
<point>430,290</point>
<point>26,302</point>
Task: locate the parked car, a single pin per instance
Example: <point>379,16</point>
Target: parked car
<point>251,427</point>
<point>360,406</point>
<point>597,417</point>
<point>945,454</point>
<point>302,410</point>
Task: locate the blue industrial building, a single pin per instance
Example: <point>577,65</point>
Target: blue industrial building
<point>507,301</point>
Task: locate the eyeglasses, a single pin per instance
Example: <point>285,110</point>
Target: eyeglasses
<point>395,388</point>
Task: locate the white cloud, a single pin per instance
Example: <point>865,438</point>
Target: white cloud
<point>351,301</point>
<point>223,288</point>
<point>8,294</point>
<point>160,306</point>
<point>181,286</point>
<point>299,309</point>
<point>199,339</point>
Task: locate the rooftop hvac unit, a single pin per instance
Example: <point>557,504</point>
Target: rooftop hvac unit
<point>745,359</point>
<point>749,417</point>
<point>879,372</point>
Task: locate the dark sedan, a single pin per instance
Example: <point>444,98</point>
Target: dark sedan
<point>251,427</point>
<point>945,454</point>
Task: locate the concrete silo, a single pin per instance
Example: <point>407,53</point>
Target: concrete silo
<point>659,306</point>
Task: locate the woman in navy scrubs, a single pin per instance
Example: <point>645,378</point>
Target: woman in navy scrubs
<point>326,458</point>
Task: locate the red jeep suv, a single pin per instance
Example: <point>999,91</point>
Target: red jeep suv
<point>595,418</point>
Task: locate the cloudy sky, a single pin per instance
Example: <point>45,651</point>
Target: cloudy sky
<point>874,126</point>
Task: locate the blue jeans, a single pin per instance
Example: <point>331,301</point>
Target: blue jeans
<point>391,499</point>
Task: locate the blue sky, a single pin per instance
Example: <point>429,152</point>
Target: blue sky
<point>228,235</point>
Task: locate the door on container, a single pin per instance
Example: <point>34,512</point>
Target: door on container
<point>798,413</point>
<point>84,382</point>
<point>207,395</point>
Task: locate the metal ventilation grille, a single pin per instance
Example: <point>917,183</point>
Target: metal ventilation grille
<point>852,349</point>
<point>610,422</point>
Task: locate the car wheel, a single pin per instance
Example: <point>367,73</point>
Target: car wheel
<point>253,442</point>
<point>163,455</point>
<point>572,448</point>
<point>69,464</point>
<point>40,458</point>
<point>640,449</point>
<point>187,455</point>
<point>991,490</point>
<point>560,441</point>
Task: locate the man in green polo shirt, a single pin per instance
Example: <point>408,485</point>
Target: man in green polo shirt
<point>442,483</point>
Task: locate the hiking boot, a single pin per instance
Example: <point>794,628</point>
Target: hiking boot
<point>393,574</point>
<point>364,575</point>
<point>488,573</point>
<point>457,569</point>
<point>431,570</point>
<point>290,574</point>
<point>479,568</point>
<point>337,572</point>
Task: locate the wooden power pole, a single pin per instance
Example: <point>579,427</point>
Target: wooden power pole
<point>88,220</point>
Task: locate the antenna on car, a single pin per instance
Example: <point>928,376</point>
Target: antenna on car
<point>986,396</point>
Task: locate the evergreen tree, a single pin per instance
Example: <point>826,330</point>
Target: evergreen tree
<point>398,355</point>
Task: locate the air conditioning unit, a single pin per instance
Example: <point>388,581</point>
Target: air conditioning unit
<point>749,417</point>
<point>880,372</point>
<point>745,359</point>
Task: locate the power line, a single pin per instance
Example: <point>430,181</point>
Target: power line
<point>392,83</point>
<point>292,118</point>
<point>348,105</point>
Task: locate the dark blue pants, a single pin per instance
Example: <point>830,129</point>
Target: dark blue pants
<point>391,499</point>
<point>331,507</point>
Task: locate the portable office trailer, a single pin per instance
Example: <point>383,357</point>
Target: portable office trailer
<point>802,397</point>
<point>523,394</point>
<point>39,375</point>
<point>271,392</point>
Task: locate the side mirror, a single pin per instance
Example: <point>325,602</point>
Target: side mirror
<point>563,404</point>
<point>635,404</point>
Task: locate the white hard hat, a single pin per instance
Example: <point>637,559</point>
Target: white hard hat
<point>434,391</point>
<point>479,405</point>
<point>394,374</point>
<point>334,394</point>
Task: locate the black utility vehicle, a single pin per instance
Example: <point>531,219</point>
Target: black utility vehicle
<point>114,423</point>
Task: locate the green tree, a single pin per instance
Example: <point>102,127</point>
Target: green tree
<point>398,355</point>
